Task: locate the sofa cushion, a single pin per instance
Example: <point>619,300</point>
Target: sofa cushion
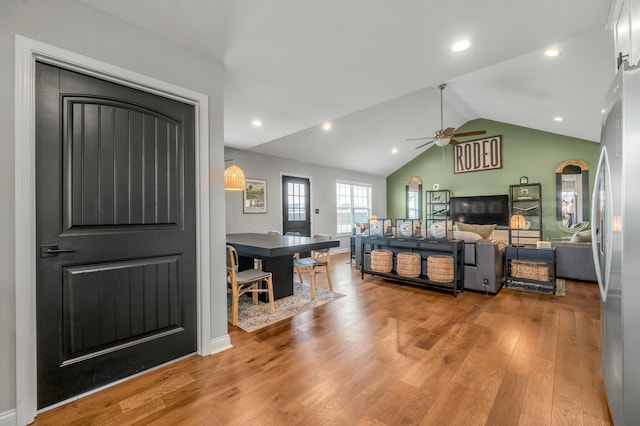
<point>483,230</point>
<point>466,236</point>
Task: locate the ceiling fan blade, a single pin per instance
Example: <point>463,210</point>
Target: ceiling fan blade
<point>424,144</point>
<point>448,131</point>
<point>453,142</point>
<point>418,139</point>
<point>474,133</point>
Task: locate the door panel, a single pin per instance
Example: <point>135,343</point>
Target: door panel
<point>115,212</point>
<point>296,210</point>
<point>123,177</point>
<point>136,300</point>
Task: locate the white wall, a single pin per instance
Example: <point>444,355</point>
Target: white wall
<point>323,194</point>
<point>73,26</point>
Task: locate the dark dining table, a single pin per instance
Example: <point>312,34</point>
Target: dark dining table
<point>276,253</point>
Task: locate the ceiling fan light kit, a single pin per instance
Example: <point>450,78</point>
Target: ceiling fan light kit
<point>444,137</point>
<point>442,141</point>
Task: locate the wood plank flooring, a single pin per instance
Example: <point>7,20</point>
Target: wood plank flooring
<point>386,354</point>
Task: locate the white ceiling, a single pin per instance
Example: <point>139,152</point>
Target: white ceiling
<point>371,67</point>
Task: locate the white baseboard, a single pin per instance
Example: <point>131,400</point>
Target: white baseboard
<point>340,250</point>
<point>8,418</point>
<point>219,344</point>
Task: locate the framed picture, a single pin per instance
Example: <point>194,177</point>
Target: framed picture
<point>255,196</point>
<point>478,155</point>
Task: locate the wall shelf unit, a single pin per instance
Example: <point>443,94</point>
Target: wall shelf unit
<point>525,211</point>
<point>438,210</point>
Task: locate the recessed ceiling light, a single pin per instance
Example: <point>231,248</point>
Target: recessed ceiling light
<point>558,119</point>
<point>394,151</point>
<point>603,110</point>
<point>552,52</point>
<point>461,45</point>
<point>326,126</point>
<point>256,123</point>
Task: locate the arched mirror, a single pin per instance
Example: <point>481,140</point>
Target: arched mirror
<point>572,195</point>
<point>414,198</point>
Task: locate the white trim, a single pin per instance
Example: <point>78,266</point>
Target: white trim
<point>26,53</point>
<point>353,182</point>
<point>614,13</point>
<point>343,249</point>
<point>8,418</point>
<point>220,344</point>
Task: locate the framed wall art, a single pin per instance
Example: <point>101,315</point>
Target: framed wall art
<point>477,155</point>
<point>255,196</point>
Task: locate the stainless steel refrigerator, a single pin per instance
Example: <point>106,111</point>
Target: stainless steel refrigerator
<point>616,245</point>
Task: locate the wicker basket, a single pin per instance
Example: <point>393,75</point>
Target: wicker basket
<point>381,260</point>
<point>440,268</point>
<point>408,264</point>
<point>531,270</point>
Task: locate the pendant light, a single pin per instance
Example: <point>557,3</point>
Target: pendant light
<point>233,178</point>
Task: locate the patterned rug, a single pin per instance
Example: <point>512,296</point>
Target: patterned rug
<point>253,317</point>
<point>535,288</point>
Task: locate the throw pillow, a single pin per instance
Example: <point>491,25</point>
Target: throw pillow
<point>483,230</point>
<point>468,237</point>
<point>582,237</point>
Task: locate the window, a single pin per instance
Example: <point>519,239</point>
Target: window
<point>353,204</point>
<point>296,201</point>
<point>413,205</point>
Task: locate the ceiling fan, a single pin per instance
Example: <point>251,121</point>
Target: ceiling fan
<point>444,137</point>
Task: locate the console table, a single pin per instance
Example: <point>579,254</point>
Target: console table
<point>424,247</point>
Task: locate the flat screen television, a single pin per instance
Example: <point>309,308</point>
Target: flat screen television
<point>481,210</point>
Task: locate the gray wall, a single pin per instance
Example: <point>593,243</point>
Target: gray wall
<point>73,26</point>
<point>323,194</point>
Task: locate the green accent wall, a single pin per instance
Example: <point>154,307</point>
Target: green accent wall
<point>525,152</point>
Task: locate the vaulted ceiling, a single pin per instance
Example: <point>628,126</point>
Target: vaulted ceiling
<point>372,67</point>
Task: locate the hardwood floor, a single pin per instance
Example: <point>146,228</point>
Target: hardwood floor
<point>385,354</point>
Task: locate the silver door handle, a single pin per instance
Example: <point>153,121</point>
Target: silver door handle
<point>53,250</point>
<point>605,228</point>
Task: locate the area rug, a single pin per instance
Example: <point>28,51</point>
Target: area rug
<point>535,288</point>
<point>253,317</point>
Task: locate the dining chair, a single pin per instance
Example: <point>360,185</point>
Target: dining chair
<point>319,259</point>
<point>247,281</point>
